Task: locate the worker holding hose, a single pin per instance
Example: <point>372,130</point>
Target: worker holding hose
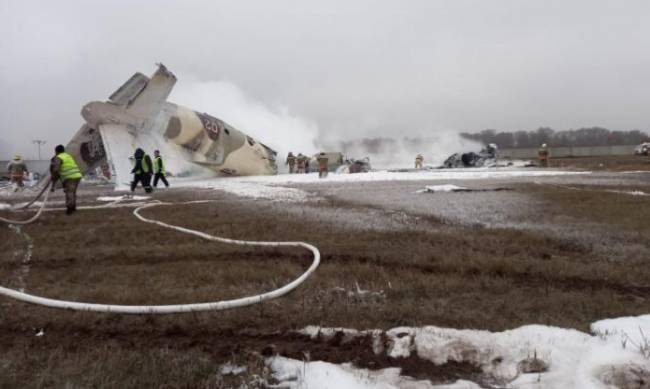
<point>64,167</point>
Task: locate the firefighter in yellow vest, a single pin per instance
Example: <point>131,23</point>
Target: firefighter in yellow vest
<point>158,170</point>
<point>142,171</point>
<point>63,167</point>
<point>418,161</point>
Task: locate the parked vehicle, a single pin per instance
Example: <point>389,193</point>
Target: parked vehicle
<point>642,149</point>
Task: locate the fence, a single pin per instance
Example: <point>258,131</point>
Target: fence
<point>558,152</point>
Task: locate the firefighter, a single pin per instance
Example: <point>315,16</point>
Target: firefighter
<point>64,167</point>
<point>542,153</point>
<point>291,161</point>
<point>17,171</point>
<point>418,161</point>
<point>141,171</point>
<point>307,159</point>
<point>301,159</point>
<point>159,170</point>
<point>322,165</point>
<point>492,150</point>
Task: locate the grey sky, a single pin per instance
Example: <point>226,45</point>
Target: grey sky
<point>352,68</point>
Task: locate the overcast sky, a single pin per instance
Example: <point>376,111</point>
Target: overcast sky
<point>338,69</point>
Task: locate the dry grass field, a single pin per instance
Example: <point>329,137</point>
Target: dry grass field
<point>583,256</point>
<point>611,163</point>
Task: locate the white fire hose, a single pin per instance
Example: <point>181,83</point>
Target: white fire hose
<point>38,213</point>
<point>169,309</point>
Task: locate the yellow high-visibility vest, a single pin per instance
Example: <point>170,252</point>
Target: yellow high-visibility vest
<point>144,165</point>
<point>158,165</point>
<point>69,169</point>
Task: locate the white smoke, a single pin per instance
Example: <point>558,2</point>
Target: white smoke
<point>279,129</point>
<point>275,127</point>
<point>400,152</point>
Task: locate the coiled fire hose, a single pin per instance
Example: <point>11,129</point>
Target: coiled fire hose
<point>167,309</point>
<point>40,209</point>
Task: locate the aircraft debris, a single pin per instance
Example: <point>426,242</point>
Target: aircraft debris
<point>353,166</point>
<point>488,157</point>
<point>334,161</point>
<point>358,165</point>
<point>138,115</point>
<point>340,165</point>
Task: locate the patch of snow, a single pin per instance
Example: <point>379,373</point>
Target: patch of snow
<point>635,172</point>
<point>40,333</point>
<point>441,188</point>
<point>271,187</point>
<point>441,174</point>
<point>294,374</point>
<point>231,369</point>
<point>255,190</point>
<point>329,332</point>
<point>5,206</point>
<point>123,197</point>
<point>36,204</point>
<point>358,293</point>
<point>618,349</point>
<point>400,342</point>
<point>635,330</point>
<point>629,192</point>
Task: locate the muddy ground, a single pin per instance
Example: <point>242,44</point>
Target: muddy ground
<point>562,251</point>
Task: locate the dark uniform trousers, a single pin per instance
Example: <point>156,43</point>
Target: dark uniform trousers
<point>161,177</point>
<point>145,179</point>
<point>70,189</point>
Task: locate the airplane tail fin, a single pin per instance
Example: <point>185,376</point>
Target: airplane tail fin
<point>142,96</point>
<point>127,93</point>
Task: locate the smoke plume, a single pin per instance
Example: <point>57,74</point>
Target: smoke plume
<point>388,152</point>
<point>276,127</point>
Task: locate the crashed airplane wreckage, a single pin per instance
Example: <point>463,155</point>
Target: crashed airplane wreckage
<point>487,157</point>
<point>194,144</point>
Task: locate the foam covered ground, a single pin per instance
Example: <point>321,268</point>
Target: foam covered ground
<point>272,187</point>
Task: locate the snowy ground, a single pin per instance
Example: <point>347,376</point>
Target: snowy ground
<point>280,187</point>
<point>616,353</point>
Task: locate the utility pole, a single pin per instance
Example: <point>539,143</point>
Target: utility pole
<point>39,143</point>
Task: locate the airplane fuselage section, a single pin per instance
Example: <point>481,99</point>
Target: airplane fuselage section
<point>138,111</point>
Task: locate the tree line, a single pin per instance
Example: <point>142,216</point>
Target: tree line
<point>593,136</point>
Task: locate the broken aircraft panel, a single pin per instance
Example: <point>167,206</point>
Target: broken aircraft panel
<point>488,157</point>
<point>193,144</point>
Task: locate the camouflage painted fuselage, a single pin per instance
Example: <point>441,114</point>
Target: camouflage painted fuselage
<point>216,144</point>
<point>192,143</point>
